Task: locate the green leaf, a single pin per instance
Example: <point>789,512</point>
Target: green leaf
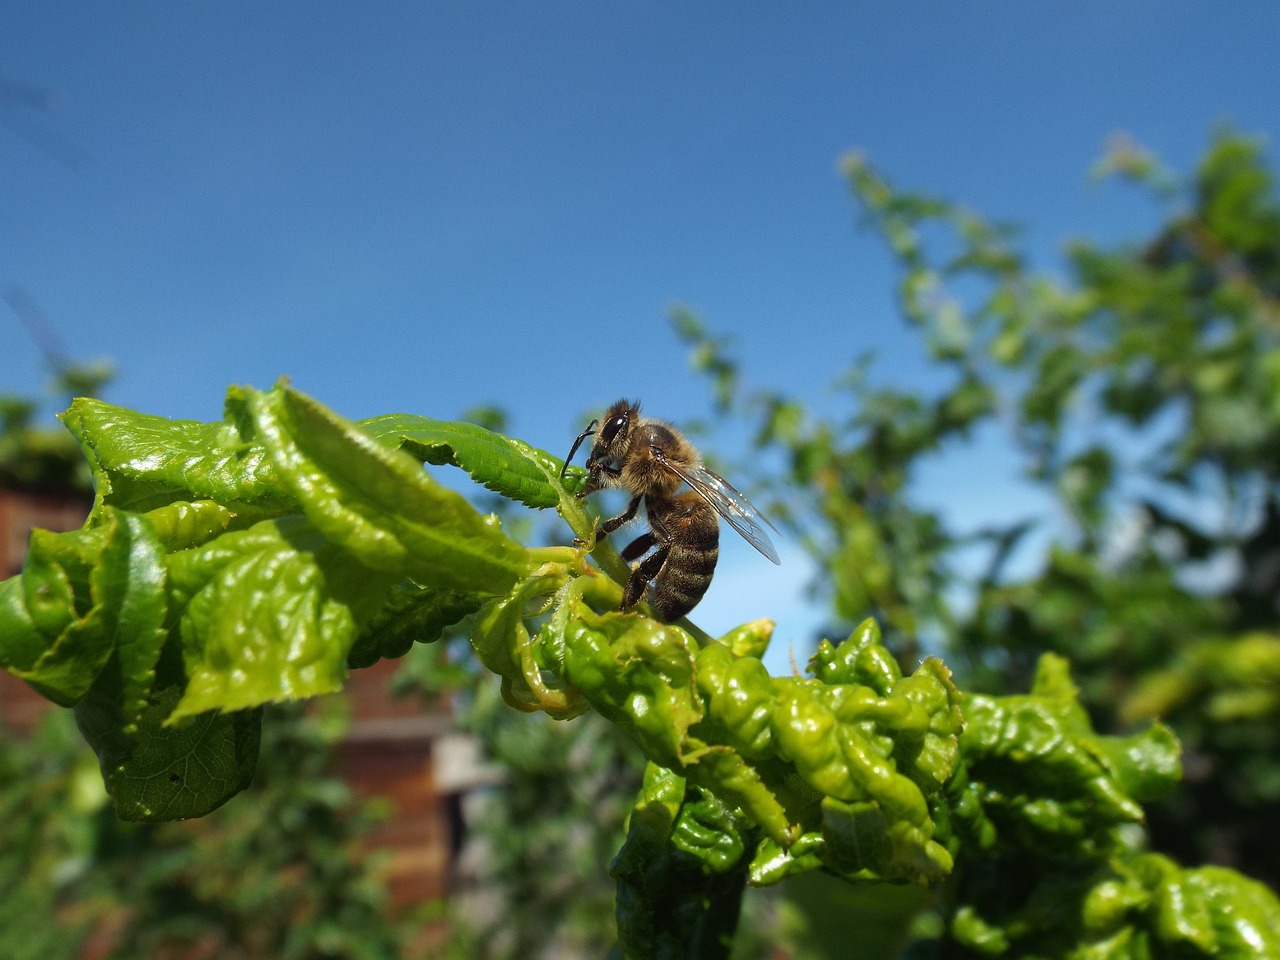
<point>741,787</point>
<point>1146,765</point>
<point>1129,906</point>
<point>1041,779</point>
<point>749,639</point>
<point>1217,912</point>
<point>738,695</point>
<point>834,775</point>
<point>141,461</point>
<point>711,830</point>
<point>38,607</point>
<point>638,673</point>
<point>158,770</point>
<point>862,658</point>
<point>268,614</point>
<point>379,504</point>
<point>104,661</point>
<point>836,738</point>
<point>183,524</point>
<point>411,614</point>
<point>508,467</point>
<point>502,641</point>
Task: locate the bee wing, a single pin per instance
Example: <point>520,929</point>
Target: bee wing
<point>729,503</point>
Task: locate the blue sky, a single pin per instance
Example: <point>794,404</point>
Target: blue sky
<point>419,207</point>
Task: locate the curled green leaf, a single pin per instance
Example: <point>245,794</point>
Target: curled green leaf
<point>158,770</point>
<point>680,874</point>
<point>379,504</point>
<point>637,673</point>
<point>502,640</point>
<point>504,465</point>
<point>738,692</point>
<point>410,614</point>
<point>860,659</point>
<point>749,639</point>
<point>84,598</point>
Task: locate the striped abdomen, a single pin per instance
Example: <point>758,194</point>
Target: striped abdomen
<point>690,530</point>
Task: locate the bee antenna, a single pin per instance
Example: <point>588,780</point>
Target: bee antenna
<point>591,429</point>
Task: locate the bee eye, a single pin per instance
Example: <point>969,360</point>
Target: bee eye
<point>611,427</point>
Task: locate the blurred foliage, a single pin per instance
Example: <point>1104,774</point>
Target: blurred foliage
<point>283,875</point>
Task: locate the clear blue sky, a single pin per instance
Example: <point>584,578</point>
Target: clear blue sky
<point>419,207</point>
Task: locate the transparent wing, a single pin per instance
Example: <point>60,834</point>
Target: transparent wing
<point>729,503</point>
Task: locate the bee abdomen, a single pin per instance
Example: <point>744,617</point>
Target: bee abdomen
<point>684,579</point>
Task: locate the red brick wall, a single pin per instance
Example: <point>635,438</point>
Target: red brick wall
<point>21,512</point>
<point>388,752</point>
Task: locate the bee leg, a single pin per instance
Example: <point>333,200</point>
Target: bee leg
<point>595,471</point>
<point>639,547</point>
<point>609,526</point>
<point>642,575</point>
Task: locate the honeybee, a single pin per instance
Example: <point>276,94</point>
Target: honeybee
<point>651,460</point>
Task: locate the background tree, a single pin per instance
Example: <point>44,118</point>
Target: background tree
<point>1142,394</point>
<point>282,875</point>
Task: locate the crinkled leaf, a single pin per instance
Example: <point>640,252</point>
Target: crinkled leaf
<point>86,597</point>
<point>183,524</point>
<point>1218,912</point>
<point>639,674</point>
<point>268,614</point>
<point>771,749</point>
<point>749,639</point>
<point>499,635</point>
<point>141,461</point>
<point>721,772</point>
<point>862,658</point>
<point>49,599</point>
<point>711,830</point>
<point>1146,765</point>
<point>1123,908</point>
<point>928,751</point>
<point>865,840</point>
<point>837,739</point>
<point>738,692</point>
<point>501,639</point>
<point>774,862</point>
<point>135,565</point>
<point>1040,778</point>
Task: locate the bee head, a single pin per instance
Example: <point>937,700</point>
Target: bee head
<point>611,438</point>
<point>615,432</point>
